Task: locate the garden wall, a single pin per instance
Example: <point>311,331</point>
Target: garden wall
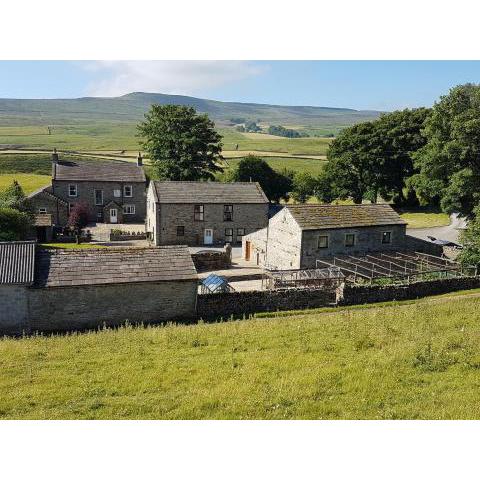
<point>214,260</point>
<point>244,303</point>
<point>359,294</point>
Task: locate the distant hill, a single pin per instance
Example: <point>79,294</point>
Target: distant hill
<point>131,107</point>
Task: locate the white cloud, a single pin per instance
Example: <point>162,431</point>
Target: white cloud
<point>113,78</point>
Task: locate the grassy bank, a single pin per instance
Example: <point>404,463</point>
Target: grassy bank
<point>29,182</point>
<point>416,360</point>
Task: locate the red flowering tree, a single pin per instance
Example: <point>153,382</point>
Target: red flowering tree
<point>78,217</point>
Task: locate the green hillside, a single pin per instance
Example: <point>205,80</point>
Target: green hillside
<point>131,107</point>
<point>418,360</point>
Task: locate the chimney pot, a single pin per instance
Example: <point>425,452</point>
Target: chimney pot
<point>54,156</point>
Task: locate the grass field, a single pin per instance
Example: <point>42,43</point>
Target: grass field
<point>122,136</point>
<point>426,219</point>
<point>418,360</point>
<point>29,182</point>
<point>312,166</point>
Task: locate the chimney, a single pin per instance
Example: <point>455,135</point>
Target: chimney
<point>139,159</point>
<point>54,156</point>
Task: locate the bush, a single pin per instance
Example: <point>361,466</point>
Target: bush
<point>14,225</point>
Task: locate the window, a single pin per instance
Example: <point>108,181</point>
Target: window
<point>98,197</point>
<point>349,239</point>
<point>72,190</point>
<point>180,231</point>
<point>42,210</point>
<point>129,209</point>
<point>117,193</point>
<point>240,234</point>
<point>127,191</point>
<point>198,213</point>
<point>323,241</point>
<point>229,235</point>
<point>227,213</point>
<point>386,237</point>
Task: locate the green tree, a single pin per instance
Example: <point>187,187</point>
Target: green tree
<point>375,158</point>
<point>324,188</point>
<point>78,217</point>
<point>14,197</point>
<point>14,224</point>
<point>275,185</point>
<point>449,163</point>
<point>182,144</point>
<point>303,187</point>
<point>470,239</point>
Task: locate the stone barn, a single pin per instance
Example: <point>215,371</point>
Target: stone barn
<point>51,290</point>
<point>298,235</point>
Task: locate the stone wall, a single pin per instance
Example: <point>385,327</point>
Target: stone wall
<point>247,217</point>
<point>419,245</point>
<point>244,303</point>
<point>367,239</point>
<point>213,260</point>
<point>83,307</point>
<point>360,294</point>
<point>52,205</point>
<point>284,242</point>
<point>13,309</point>
<point>86,192</point>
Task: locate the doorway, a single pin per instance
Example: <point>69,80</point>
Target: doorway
<point>113,215</point>
<point>208,236</point>
<point>248,249</point>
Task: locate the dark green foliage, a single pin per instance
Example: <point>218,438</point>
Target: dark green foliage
<point>14,224</point>
<point>303,187</point>
<point>376,158</point>
<point>14,197</point>
<point>470,239</point>
<point>276,185</point>
<point>252,127</point>
<point>181,144</point>
<point>283,132</point>
<point>236,120</point>
<point>449,165</point>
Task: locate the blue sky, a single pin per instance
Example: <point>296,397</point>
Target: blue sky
<point>379,85</point>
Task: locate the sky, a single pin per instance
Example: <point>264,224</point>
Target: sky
<point>362,85</point>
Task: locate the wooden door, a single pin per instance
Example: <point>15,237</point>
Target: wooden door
<point>248,250</point>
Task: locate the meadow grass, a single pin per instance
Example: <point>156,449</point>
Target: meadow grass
<point>419,360</point>
<point>29,182</point>
<point>425,219</point>
<point>122,136</point>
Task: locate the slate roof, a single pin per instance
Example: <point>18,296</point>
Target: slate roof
<point>17,263</point>
<point>43,220</point>
<point>98,171</point>
<point>46,191</point>
<point>209,192</point>
<point>318,217</point>
<point>113,266</point>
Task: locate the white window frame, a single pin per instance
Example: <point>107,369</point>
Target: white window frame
<point>230,236</point>
<point>389,237</point>
<point>131,209</point>
<point>42,210</point>
<point>318,241</point>
<point>75,187</point>
<point>200,213</point>
<point>95,196</point>
<point>240,237</point>
<point>125,187</point>
<point>117,192</point>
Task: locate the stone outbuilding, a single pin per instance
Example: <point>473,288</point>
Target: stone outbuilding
<point>299,234</point>
<point>63,290</point>
<point>204,213</point>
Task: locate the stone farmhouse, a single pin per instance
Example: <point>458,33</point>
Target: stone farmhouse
<point>204,213</point>
<point>45,290</point>
<point>114,191</point>
<point>298,235</point>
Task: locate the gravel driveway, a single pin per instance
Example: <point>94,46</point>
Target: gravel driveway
<point>449,232</point>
